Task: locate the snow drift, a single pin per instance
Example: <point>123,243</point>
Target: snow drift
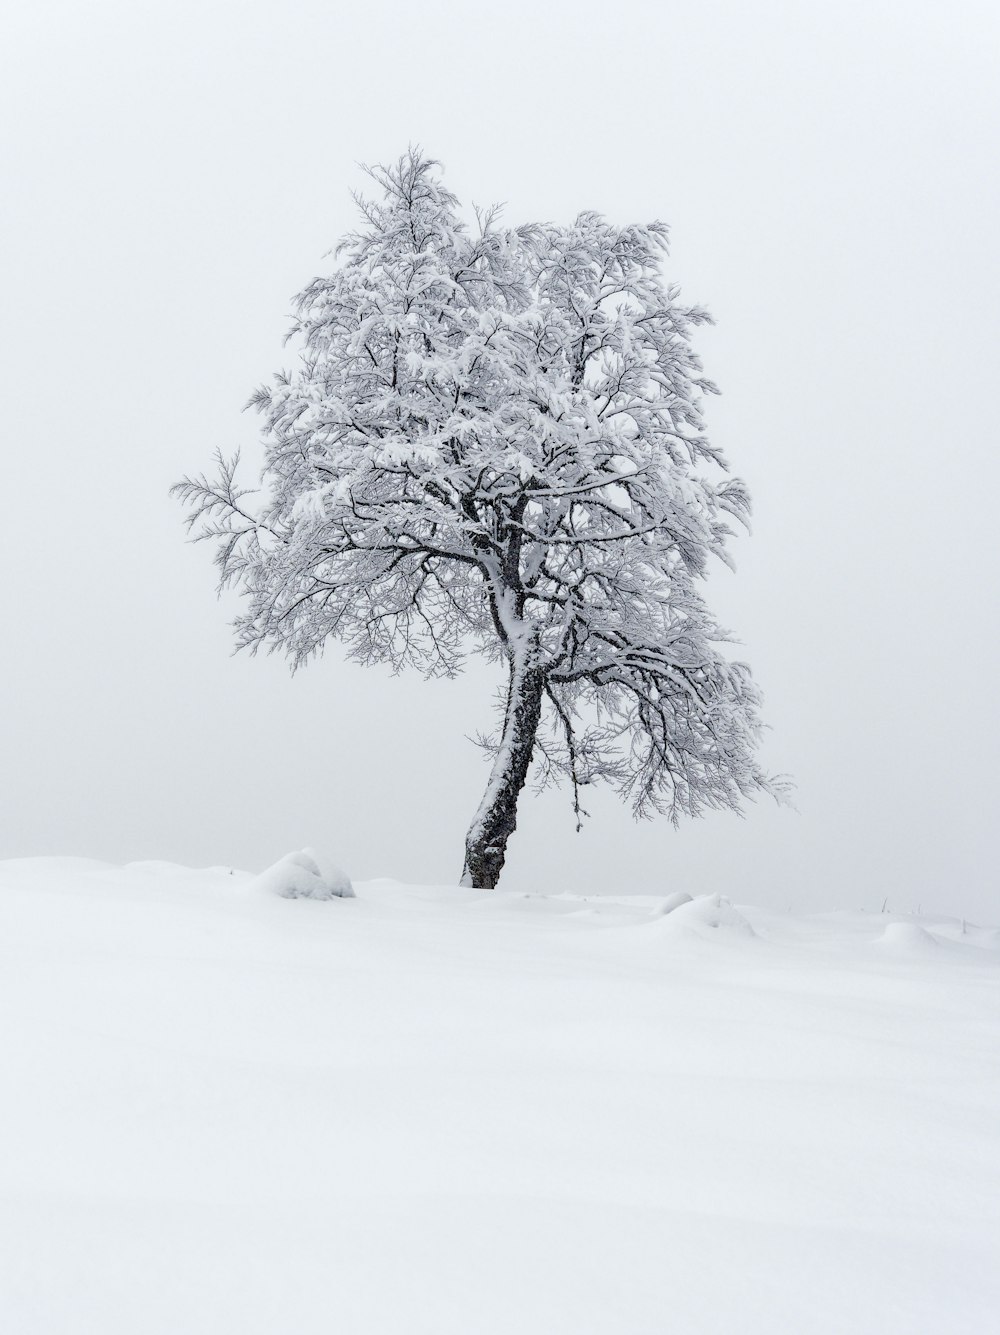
<point>434,1110</point>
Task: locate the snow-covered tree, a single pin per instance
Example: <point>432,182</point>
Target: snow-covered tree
<point>493,442</point>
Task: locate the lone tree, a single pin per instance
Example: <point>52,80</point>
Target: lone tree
<point>494,442</point>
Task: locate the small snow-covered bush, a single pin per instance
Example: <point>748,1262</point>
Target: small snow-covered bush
<point>305,875</point>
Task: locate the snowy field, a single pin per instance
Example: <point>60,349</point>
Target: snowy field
<point>432,1111</point>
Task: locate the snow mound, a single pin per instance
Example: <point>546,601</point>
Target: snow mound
<point>909,938</point>
<point>672,902</point>
<point>707,915</point>
<point>305,875</point>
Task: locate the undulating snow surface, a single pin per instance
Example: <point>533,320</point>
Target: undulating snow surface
<point>432,1111</point>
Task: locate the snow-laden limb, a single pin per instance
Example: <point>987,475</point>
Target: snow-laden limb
<point>494,442</point>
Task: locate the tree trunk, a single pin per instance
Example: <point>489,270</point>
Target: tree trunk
<point>486,842</point>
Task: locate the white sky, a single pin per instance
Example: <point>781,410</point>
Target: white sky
<point>173,174</point>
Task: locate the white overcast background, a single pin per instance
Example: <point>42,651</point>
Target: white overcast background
<point>174,173</point>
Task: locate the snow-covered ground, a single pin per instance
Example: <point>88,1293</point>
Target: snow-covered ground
<point>433,1111</point>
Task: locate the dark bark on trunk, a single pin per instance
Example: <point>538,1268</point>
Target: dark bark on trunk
<point>486,842</point>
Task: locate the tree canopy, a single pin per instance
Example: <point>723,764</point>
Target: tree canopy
<point>493,442</point>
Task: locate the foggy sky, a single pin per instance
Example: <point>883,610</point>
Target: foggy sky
<point>174,173</point>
